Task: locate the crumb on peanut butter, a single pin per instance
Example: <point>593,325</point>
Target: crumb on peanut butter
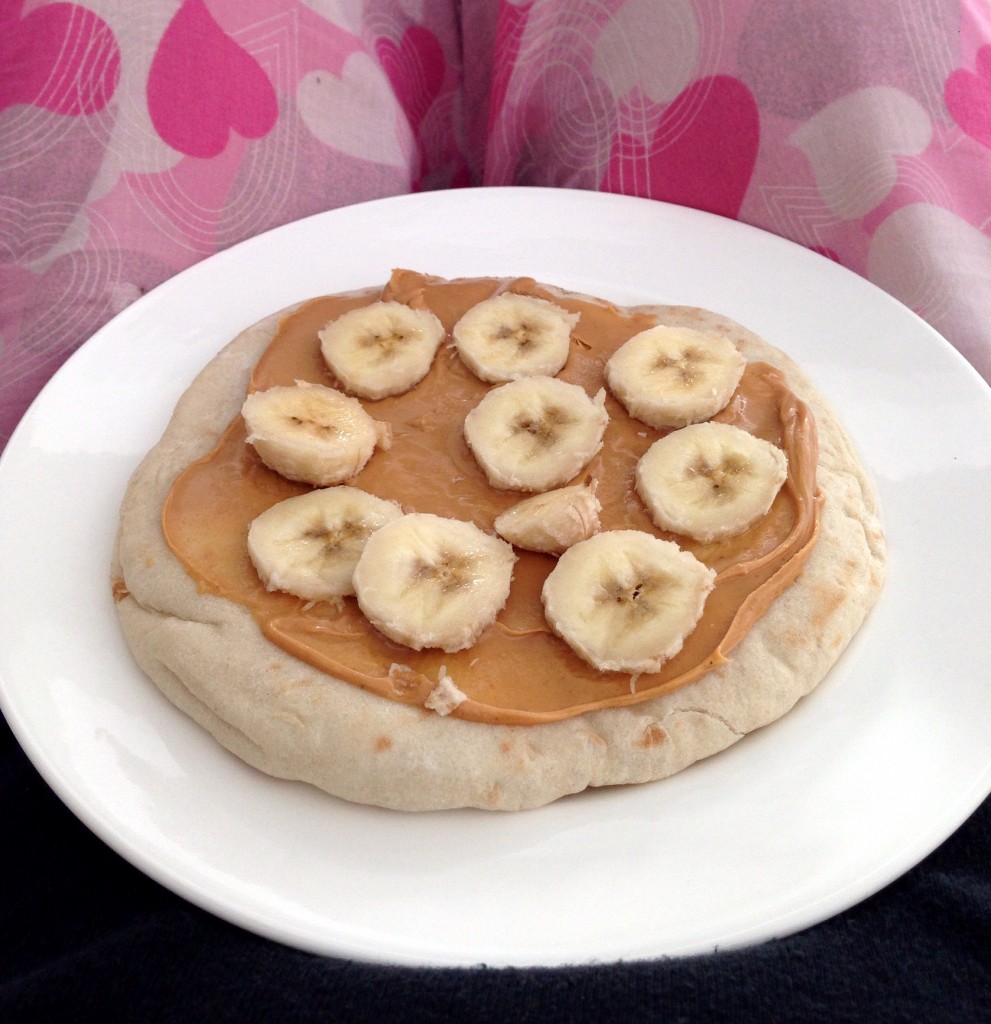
<point>445,696</point>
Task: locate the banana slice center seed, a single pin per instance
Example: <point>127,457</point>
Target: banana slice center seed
<point>638,598</point>
<point>546,428</point>
<point>336,537</point>
<point>685,368</point>
<point>450,571</point>
<point>523,335</point>
<point>723,477</point>
<point>384,345</point>
<point>319,428</point>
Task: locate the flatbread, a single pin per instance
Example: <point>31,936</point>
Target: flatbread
<point>208,656</point>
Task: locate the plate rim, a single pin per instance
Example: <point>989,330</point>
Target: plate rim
<point>134,853</point>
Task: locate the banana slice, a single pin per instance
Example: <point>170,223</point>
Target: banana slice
<point>673,376</point>
<point>625,600</point>
<point>710,480</point>
<point>308,545</point>
<point>312,434</point>
<point>382,349</point>
<point>551,522</point>
<point>511,336</point>
<point>535,433</point>
<point>430,581</point>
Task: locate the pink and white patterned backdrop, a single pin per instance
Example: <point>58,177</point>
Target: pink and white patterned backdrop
<point>137,138</point>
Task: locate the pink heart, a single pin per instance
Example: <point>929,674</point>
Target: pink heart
<point>416,70</point>
<point>61,57</point>
<point>702,153</point>
<point>202,86</point>
<point>968,98</point>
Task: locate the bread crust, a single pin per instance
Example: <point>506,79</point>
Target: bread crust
<point>208,656</point>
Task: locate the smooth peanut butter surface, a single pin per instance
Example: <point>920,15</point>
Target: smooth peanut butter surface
<point>518,672</point>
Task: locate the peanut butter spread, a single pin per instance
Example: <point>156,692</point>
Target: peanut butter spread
<point>518,672</point>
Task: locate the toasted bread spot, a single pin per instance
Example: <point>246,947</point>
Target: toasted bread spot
<point>829,599</point>
<point>652,736</point>
<point>793,640</point>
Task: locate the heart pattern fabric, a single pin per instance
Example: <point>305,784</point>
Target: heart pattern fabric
<point>702,151</point>
<point>203,86</point>
<point>60,57</point>
<point>136,139</point>
<point>968,97</point>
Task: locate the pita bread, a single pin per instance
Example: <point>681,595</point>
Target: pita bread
<point>275,712</point>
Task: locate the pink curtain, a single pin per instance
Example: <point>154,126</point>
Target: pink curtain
<point>138,138</point>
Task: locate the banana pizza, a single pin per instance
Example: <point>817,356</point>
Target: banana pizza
<point>486,542</point>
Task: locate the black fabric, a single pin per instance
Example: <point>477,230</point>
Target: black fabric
<point>86,937</point>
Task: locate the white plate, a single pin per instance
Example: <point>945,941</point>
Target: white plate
<point>792,825</point>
